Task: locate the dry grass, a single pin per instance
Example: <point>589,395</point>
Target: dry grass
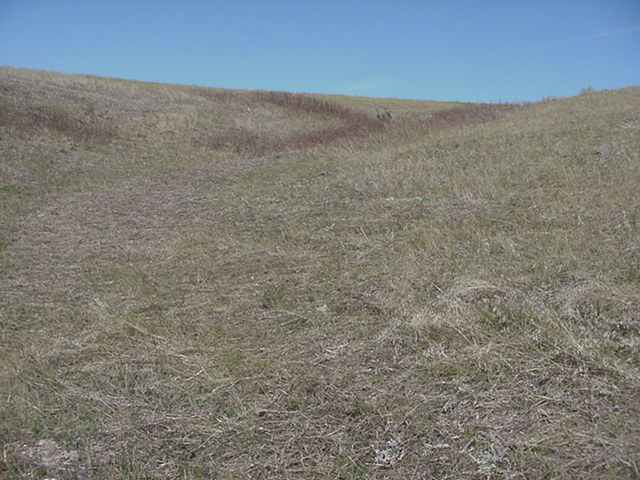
<point>449,294</point>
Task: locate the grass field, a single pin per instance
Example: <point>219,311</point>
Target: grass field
<point>218,284</point>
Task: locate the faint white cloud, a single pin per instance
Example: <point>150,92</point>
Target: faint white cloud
<point>586,38</point>
<point>368,84</point>
<point>619,31</point>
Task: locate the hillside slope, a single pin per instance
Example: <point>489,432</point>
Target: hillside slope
<point>197,283</point>
<point>99,110</point>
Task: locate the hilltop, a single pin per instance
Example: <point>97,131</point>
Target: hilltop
<point>209,283</point>
<point>99,110</point>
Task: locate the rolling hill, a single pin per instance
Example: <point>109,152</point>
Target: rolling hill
<point>208,283</point>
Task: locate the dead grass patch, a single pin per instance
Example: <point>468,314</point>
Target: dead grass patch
<point>450,296</point>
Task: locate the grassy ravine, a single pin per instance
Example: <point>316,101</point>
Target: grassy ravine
<point>200,283</point>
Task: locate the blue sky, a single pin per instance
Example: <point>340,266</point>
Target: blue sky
<point>466,50</point>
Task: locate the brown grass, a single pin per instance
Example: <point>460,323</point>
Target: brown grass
<point>26,118</point>
<point>441,295</point>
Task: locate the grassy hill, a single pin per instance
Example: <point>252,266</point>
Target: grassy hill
<point>205,283</point>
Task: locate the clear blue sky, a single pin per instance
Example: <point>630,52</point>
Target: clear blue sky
<point>468,50</point>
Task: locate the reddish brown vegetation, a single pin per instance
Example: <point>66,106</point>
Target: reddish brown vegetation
<point>345,123</point>
<point>55,118</point>
<point>329,123</point>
